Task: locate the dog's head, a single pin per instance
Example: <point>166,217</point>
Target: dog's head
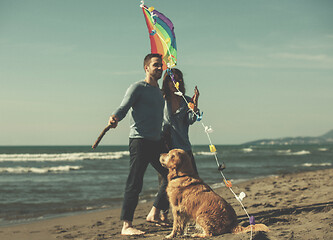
<point>178,162</point>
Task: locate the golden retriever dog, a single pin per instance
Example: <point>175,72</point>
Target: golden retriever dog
<point>192,199</point>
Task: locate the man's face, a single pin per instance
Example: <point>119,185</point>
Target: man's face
<point>155,68</point>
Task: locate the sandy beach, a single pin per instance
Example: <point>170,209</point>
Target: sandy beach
<point>293,206</point>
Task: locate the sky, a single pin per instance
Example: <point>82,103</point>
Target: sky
<point>264,68</point>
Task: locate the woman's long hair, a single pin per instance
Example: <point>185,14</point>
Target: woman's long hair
<point>178,76</point>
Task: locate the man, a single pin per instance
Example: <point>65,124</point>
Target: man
<point>146,102</point>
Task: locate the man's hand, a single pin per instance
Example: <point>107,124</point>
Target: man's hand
<point>113,121</point>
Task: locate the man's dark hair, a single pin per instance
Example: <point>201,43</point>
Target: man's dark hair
<point>147,59</point>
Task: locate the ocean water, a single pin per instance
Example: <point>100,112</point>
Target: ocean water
<point>48,181</point>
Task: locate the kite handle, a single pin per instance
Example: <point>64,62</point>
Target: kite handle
<point>101,136</point>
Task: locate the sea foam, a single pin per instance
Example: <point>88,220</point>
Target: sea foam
<point>247,150</point>
<point>289,152</point>
<point>316,164</point>
<point>204,153</point>
<point>19,170</point>
<point>61,156</point>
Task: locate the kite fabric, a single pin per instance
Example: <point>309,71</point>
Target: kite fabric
<point>162,36</point>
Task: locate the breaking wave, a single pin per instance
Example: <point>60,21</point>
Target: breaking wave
<point>316,164</point>
<point>204,153</point>
<point>247,150</point>
<point>289,152</point>
<point>59,169</point>
<point>61,156</point>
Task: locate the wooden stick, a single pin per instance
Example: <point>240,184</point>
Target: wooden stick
<point>101,136</point>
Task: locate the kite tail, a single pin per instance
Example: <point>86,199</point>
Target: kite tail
<point>253,228</point>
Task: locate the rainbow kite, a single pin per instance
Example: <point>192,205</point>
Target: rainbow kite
<point>162,36</point>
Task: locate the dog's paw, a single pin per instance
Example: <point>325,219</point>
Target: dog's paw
<point>171,235</point>
<point>200,235</point>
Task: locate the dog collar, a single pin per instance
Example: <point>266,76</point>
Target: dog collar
<point>178,177</point>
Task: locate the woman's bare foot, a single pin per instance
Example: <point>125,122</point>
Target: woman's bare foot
<point>154,217</point>
<point>164,216</point>
<point>128,229</point>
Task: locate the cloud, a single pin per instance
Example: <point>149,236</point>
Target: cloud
<point>242,63</point>
<point>301,60</point>
<point>121,73</point>
<point>303,57</point>
<point>127,73</point>
<point>282,60</point>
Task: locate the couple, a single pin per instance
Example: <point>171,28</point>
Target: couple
<point>152,111</point>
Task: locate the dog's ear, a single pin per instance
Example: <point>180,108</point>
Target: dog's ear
<point>173,161</point>
<point>179,158</point>
<point>185,165</point>
<point>171,165</point>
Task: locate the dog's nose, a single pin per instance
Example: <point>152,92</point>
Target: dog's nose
<point>162,159</point>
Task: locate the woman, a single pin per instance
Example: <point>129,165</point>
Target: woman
<point>177,114</point>
<point>177,119</point>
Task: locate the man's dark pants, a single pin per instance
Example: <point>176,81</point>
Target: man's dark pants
<point>143,152</point>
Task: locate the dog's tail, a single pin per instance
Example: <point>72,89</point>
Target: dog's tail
<point>255,228</point>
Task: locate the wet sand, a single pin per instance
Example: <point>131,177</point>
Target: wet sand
<point>293,206</point>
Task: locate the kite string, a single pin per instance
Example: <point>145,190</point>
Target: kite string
<point>215,153</point>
